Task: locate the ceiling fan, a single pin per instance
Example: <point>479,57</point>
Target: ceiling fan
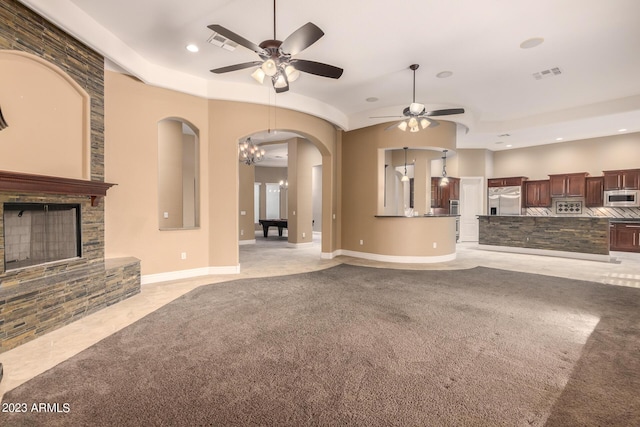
<point>276,56</point>
<point>416,117</point>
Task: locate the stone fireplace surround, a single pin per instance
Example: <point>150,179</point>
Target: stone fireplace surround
<point>38,299</point>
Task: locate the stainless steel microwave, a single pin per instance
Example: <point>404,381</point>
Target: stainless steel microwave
<point>622,198</point>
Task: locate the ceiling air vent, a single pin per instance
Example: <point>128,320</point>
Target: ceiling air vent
<point>221,41</point>
<point>547,73</point>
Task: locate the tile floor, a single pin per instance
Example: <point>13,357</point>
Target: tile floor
<point>265,259</point>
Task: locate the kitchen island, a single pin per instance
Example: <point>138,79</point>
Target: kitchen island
<point>566,236</point>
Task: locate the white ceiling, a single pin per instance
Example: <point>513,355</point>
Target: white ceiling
<point>593,42</point>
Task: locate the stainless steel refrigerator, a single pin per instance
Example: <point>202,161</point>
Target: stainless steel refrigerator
<point>505,200</point>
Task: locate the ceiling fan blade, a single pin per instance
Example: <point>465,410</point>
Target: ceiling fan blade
<point>446,112</point>
<point>317,68</point>
<point>301,39</point>
<point>236,67</point>
<point>236,38</point>
<point>385,117</point>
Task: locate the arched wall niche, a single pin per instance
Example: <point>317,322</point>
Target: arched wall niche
<point>178,174</point>
<point>48,116</point>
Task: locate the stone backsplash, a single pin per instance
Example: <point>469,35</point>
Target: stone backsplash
<point>628,213</point>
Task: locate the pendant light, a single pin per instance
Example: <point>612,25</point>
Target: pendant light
<point>405,178</point>
<point>444,181</point>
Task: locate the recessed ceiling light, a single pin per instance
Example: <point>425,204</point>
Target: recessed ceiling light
<point>193,48</point>
<point>532,42</point>
<point>508,145</point>
<point>559,139</point>
<point>444,74</point>
<point>622,130</point>
<point>372,99</point>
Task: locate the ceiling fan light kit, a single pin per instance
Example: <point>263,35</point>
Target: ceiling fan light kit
<point>276,56</point>
<point>415,116</point>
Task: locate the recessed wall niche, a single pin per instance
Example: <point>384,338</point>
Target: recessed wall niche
<point>178,177</point>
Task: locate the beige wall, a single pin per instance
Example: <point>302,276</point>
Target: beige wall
<point>228,123</point>
<point>363,181</point>
<point>52,131</point>
<point>246,175</point>
<point>302,158</point>
<point>132,113</point>
<point>170,185</point>
<point>587,155</point>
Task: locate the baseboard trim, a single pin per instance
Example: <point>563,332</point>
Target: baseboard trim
<point>188,274</point>
<point>547,252</point>
<point>299,245</point>
<point>396,258</point>
<point>247,242</point>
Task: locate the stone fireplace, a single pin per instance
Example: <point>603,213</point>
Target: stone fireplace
<point>60,275</point>
<point>52,183</point>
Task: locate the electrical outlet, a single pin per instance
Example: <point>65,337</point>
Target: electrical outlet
<point>304,234</point>
<point>166,215</point>
<point>361,242</point>
<point>183,255</point>
<point>242,232</point>
<point>435,245</point>
<point>243,212</point>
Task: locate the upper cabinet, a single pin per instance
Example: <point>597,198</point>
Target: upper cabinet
<point>622,179</point>
<point>595,192</point>
<point>537,194</point>
<point>506,182</point>
<point>568,185</point>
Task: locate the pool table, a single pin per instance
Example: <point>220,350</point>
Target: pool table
<point>266,223</point>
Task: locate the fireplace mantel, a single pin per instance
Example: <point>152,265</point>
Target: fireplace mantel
<point>23,182</point>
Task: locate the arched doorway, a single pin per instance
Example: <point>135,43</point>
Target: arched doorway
<point>284,188</point>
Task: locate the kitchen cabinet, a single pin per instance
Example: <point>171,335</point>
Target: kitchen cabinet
<point>506,182</point>
<point>595,192</point>
<point>537,194</point>
<point>568,185</point>
<point>628,179</point>
<point>625,236</point>
<point>442,194</point>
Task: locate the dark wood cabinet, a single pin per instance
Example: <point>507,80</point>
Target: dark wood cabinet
<point>625,237</point>
<point>595,192</point>
<point>568,185</point>
<point>537,194</point>
<point>506,182</point>
<point>628,179</point>
<point>442,194</point>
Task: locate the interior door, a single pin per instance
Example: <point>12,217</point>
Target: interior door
<point>471,196</point>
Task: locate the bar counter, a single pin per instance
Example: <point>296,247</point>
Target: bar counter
<point>568,236</point>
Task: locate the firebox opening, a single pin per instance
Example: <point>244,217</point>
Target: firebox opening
<point>36,233</point>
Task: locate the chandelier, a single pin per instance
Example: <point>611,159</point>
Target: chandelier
<point>249,153</point>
